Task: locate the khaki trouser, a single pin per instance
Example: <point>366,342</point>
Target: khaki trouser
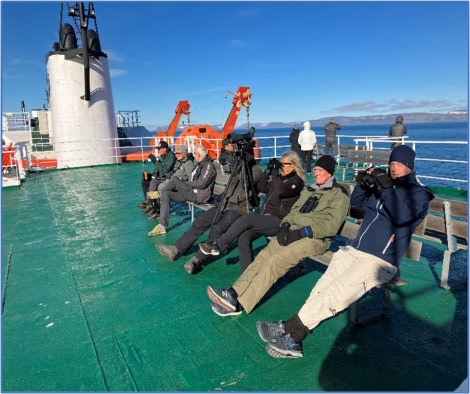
<point>350,274</point>
<point>270,265</point>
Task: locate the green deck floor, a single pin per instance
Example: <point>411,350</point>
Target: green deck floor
<point>90,305</point>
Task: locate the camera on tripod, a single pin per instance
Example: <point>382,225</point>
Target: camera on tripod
<point>243,141</point>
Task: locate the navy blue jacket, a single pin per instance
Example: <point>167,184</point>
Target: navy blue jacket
<point>390,217</point>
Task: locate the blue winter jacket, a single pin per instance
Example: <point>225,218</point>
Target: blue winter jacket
<point>390,217</point>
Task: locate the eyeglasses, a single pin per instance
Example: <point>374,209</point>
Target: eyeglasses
<point>285,164</point>
<point>178,153</point>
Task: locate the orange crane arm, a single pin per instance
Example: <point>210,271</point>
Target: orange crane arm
<point>240,99</point>
<point>181,109</point>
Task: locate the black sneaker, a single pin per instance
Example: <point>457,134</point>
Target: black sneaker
<point>223,297</point>
<point>270,332</point>
<point>285,347</point>
<point>193,266</point>
<point>218,310</point>
<point>209,249</point>
<point>169,251</point>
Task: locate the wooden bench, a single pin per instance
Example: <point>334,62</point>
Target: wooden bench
<point>343,150</point>
<point>221,181</point>
<point>446,229</point>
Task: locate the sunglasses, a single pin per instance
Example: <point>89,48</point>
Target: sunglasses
<point>285,164</point>
<point>178,153</point>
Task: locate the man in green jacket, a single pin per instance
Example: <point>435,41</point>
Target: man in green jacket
<point>306,231</point>
<point>164,162</point>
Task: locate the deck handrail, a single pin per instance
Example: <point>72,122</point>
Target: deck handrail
<point>272,146</point>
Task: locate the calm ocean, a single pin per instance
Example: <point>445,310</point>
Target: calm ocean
<point>451,131</point>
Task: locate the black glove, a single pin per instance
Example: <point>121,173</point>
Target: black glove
<point>152,158</point>
<point>286,236</point>
<point>365,180</point>
<point>382,179</point>
<point>282,234</point>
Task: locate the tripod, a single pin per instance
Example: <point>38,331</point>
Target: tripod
<point>242,170</point>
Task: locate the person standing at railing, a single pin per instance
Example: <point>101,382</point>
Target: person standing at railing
<point>397,130</point>
<point>307,141</point>
<point>330,137</point>
<point>294,140</point>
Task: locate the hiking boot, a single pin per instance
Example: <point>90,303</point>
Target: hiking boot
<point>193,266</point>
<point>142,204</point>
<point>157,230</point>
<point>270,332</point>
<point>154,215</point>
<point>226,298</point>
<point>209,249</point>
<point>285,347</point>
<point>153,195</point>
<point>169,251</point>
<point>218,310</point>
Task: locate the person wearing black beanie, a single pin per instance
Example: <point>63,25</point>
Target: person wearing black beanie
<point>306,231</point>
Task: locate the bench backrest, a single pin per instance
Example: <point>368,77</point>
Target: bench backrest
<point>368,157</point>
<point>449,217</point>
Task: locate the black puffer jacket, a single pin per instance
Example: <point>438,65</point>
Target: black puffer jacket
<point>281,193</point>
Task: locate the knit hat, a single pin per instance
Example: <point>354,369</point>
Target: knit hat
<point>182,149</point>
<point>405,155</point>
<point>163,144</point>
<point>327,163</point>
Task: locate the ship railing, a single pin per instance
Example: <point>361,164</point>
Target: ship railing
<point>275,146</point>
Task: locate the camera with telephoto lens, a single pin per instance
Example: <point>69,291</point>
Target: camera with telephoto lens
<point>242,140</point>
<point>309,205</point>
<point>365,180</point>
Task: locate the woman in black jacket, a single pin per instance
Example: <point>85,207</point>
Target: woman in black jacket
<point>282,191</point>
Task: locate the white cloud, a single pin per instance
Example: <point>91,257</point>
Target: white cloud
<point>116,72</point>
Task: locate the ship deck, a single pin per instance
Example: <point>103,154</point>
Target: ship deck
<point>90,305</point>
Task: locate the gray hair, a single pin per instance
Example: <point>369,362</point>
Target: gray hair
<point>202,150</point>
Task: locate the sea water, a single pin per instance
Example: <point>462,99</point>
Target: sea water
<point>452,154</point>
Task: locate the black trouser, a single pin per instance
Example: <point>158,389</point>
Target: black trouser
<point>307,159</point>
<point>247,229</point>
<point>145,187</point>
<point>201,224</point>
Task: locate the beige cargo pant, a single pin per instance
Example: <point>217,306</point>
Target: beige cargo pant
<point>270,265</point>
<point>350,275</point>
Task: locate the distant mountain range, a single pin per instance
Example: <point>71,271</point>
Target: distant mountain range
<point>413,117</point>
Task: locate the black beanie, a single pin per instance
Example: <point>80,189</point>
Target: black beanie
<point>327,163</point>
<point>404,155</point>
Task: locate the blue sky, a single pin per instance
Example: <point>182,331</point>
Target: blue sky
<point>302,60</point>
